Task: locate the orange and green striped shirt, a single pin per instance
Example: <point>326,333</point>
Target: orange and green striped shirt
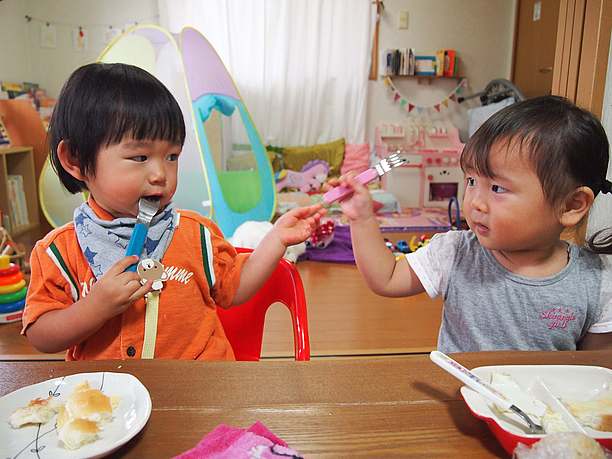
<point>203,273</point>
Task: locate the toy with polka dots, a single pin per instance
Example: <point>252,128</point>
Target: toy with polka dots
<point>12,291</point>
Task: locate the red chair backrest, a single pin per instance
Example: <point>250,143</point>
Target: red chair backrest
<point>244,324</point>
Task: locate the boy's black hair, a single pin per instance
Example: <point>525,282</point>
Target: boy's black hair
<point>566,145</point>
<point>100,104</point>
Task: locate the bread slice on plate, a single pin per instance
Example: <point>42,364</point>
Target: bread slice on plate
<point>75,433</point>
<point>38,411</point>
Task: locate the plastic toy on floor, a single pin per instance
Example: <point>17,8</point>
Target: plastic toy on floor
<point>417,243</point>
<point>403,246</point>
<point>322,236</point>
<point>12,291</point>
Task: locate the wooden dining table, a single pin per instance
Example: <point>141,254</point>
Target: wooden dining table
<point>402,406</point>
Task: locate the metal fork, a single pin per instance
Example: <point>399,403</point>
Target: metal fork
<point>379,169</point>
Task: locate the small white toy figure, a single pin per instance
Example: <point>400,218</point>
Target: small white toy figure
<point>153,270</point>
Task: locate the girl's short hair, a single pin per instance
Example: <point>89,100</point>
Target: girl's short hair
<point>100,105</point>
<point>566,145</point>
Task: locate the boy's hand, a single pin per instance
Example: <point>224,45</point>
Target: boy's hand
<point>298,224</point>
<point>114,292</point>
<point>358,205</point>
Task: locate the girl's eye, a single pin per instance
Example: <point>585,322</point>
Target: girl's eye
<point>173,157</point>
<point>139,158</point>
<point>471,181</point>
<point>498,189</point>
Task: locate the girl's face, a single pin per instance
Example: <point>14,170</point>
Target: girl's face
<point>509,211</point>
<point>132,169</point>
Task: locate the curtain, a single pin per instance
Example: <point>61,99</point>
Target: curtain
<point>301,66</point>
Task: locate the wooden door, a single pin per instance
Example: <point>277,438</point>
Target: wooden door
<point>583,44</point>
<point>535,44</point>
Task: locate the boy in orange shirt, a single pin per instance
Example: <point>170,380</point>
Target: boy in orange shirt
<point>118,133</point>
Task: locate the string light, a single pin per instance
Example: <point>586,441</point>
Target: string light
<point>80,26</point>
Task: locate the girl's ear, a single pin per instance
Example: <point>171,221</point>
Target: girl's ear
<point>577,205</point>
<point>68,162</point>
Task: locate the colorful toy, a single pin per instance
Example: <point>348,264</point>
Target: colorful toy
<point>310,179</point>
<point>402,246</point>
<point>322,236</point>
<point>416,243</point>
<point>389,245</point>
<point>12,291</point>
<point>407,247</point>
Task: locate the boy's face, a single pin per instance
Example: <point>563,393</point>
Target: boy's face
<point>509,211</point>
<point>130,170</point>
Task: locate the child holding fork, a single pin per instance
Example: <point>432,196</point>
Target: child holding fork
<point>532,171</point>
<point>117,132</point>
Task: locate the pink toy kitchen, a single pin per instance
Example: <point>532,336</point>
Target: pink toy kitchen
<point>431,174</point>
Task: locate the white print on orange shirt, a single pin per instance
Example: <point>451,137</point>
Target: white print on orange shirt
<point>178,274</point>
<point>174,273</point>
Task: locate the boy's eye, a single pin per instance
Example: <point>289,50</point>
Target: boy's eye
<point>498,189</point>
<point>173,157</point>
<point>471,181</point>
<point>139,158</point>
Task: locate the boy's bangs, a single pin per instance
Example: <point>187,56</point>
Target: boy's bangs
<point>141,116</point>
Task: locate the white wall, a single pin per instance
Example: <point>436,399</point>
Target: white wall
<point>482,32</point>
<point>28,61</point>
<point>14,55</point>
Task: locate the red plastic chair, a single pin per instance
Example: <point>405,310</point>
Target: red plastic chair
<point>244,324</point>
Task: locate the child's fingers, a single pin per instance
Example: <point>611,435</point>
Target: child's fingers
<point>305,212</point>
<point>122,265</point>
<point>141,291</point>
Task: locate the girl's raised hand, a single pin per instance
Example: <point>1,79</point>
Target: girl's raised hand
<point>298,224</point>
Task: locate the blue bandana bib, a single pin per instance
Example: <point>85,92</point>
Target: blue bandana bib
<point>104,242</point>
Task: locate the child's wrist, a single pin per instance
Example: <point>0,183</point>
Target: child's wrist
<point>362,219</point>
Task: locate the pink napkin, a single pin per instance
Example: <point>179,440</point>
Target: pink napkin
<point>230,442</point>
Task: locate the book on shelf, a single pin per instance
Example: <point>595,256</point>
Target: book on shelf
<point>400,61</point>
<point>425,65</point>
<point>5,140</point>
<point>450,57</point>
<point>18,208</point>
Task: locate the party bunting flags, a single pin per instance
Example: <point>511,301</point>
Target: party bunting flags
<point>409,106</point>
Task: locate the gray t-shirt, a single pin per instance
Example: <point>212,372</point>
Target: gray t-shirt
<point>487,307</point>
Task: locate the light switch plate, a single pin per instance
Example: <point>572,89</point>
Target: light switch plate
<point>403,20</point>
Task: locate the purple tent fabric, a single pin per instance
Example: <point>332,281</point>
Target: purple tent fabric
<point>340,250</point>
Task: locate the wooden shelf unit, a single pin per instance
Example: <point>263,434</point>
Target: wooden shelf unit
<point>19,161</point>
<point>423,78</point>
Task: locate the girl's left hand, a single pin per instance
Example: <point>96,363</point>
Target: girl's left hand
<point>298,224</point>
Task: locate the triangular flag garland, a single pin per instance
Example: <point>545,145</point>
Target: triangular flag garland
<point>409,106</point>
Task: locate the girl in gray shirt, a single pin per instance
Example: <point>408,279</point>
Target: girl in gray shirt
<point>532,173</point>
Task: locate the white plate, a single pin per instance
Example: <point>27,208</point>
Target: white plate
<point>129,417</point>
<point>567,382</point>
